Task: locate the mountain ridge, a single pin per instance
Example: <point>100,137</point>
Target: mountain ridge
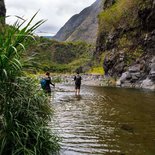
<point>82,26</point>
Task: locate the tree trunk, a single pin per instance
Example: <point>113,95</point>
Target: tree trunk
<point>2,12</point>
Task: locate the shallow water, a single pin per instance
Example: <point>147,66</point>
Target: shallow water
<point>106,121</point>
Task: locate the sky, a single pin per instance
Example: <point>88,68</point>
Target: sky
<point>56,12</point>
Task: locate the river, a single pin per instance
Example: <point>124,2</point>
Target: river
<point>106,121</point>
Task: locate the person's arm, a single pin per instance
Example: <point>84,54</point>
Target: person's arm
<point>51,82</point>
<point>74,78</point>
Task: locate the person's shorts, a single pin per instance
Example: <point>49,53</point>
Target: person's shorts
<point>77,86</point>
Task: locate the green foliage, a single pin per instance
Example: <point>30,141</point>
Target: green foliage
<point>121,14</point>
<point>13,42</point>
<point>24,109</point>
<point>59,68</point>
<point>134,54</point>
<point>124,42</point>
<point>54,56</point>
<point>97,70</point>
<point>25,116</point>
<point>77,63</point>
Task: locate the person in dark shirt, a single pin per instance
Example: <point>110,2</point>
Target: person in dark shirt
<point>48,83</point>
<point>77,80</point>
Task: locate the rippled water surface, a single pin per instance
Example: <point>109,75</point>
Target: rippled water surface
<point>106,121</point>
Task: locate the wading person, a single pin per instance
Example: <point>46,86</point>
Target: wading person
<point>77,80</point>
<point>46,82</point>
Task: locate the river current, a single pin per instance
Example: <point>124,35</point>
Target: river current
<point>105,121</point>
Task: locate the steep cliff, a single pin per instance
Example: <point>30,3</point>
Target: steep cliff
<point>126,40</point>
<point>82,26</point>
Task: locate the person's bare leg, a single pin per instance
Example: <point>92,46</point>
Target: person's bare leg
<point>75,91</point>
<point>78,91</point>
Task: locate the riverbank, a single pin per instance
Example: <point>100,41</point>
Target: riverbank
<point>87,79</point>
<point>105,81</point>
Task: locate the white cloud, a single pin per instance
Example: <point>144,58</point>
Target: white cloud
<point>56,12</point>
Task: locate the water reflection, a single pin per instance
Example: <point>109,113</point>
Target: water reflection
<point>78,97</point>
<point>107,121</point>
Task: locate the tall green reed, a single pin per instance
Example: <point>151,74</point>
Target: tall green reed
<point>24,109</point>
<point>13,40</point>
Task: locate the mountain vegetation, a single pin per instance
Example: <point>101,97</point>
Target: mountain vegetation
<point>60,57</point>
<point>126,40</point>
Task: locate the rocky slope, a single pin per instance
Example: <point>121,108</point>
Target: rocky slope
<point>82,26</point>
<point>126,40</point>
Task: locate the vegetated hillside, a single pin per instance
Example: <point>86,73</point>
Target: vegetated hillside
<point>54,56</point>
<point>82,26</point>
<point>126,41</point>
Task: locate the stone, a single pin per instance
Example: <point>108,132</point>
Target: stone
<point>148,84</point>
<point>121,55</point>
<point>152,72</point>
<point>135,68</point>
<point>124,76</point>
<point>137,74</point>
<point>153,60</point>
<point>152,68</point>
<point>118,83</point>
<point>127,128</point>
<point>134,77</point>
<point>152,76</point>
<point>127,84</point>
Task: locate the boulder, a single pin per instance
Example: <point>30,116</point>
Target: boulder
<point>118,83</point>
<point>125,76</point>
<point>152,68</point>
<point>136,74</point>
<point>152,72</point>
<point>148,84</point>
<point>153,60</point>
<point>135,68</point>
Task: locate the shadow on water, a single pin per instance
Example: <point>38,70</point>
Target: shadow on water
<point>107,121</point>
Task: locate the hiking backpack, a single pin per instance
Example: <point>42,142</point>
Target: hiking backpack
<point>43,83</point>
